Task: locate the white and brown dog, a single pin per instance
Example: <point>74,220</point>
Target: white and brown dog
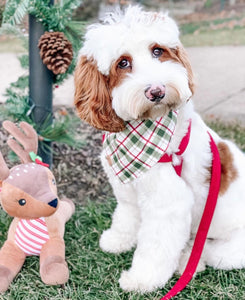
<point>133,68</point>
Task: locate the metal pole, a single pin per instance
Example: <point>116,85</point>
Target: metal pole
<point>40,86</point>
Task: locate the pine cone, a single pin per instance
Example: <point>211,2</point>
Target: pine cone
<point>55,51</point>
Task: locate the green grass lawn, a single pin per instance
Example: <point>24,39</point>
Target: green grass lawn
<point>11,44</point>
<point>220,37</point>
<point>94,274</point>
<point>206,33</point>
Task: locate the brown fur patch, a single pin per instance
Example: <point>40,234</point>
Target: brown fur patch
<point>179,55</point>
<point>92,97</point>
<point>109,160</point>
<point>228,171</point>
<point>117,74</point>
<point>168,54</point>
<point>184,60</point>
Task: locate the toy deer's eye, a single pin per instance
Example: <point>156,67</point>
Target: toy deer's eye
<point>53,181</point>
<point>22,202</point>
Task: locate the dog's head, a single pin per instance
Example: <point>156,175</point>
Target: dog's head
<point>132,66</point>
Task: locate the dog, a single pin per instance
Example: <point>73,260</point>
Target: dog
<point>133,71</point>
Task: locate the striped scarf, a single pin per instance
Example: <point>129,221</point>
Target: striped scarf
<point>31,235</point>
<point>139,147</point>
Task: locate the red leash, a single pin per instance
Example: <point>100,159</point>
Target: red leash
<point>203,226</point>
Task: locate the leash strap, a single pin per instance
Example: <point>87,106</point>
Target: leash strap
<point>203,226</point>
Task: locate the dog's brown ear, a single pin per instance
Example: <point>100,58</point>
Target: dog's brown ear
<point>184,60</point>
<point>92,97</point>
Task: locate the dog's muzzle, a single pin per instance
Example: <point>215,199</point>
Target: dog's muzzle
<point>155,93</point>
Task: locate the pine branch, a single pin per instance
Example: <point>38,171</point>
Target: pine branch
<point>71,4</point>
<point>15,11</point>
<point>62,131</point>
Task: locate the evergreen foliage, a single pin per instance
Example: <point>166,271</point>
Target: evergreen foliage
<point>57,17</point>
<point>18,106</point>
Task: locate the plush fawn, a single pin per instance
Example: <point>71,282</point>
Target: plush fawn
<point>29,194</point>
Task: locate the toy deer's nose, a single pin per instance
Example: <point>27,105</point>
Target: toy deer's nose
<point>53,203</point>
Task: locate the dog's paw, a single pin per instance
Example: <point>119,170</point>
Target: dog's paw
<point>139,282</point>
<point>116,242</point>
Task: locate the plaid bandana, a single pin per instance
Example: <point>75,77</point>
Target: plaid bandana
<point>139,147</point>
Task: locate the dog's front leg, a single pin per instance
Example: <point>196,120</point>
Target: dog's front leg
<point>122,235</point>
<point>165,203</point>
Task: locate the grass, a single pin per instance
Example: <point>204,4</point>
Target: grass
<point>94,274</point>
<point>11,44</point>
<point>222,37</point>
<point>216,32</point>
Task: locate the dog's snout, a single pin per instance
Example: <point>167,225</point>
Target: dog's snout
<point>155,92</point>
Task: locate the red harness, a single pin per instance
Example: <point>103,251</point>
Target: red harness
<point>183,145</point>
<point>205,220</point>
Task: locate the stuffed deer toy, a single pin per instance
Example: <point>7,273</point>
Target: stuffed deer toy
<point>29,194</point>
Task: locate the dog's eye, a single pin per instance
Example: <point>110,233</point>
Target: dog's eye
<point>124,63</point>
<point>157,52</point>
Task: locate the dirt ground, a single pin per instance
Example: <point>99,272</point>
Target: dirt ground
<point>78,172</point>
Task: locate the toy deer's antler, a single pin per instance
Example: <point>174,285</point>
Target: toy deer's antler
<point>4,170</point>
<point>26,140</point>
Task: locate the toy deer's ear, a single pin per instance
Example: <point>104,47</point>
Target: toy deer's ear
<point>93,99</point>
<point>4,170</point>
<point>26,139</point>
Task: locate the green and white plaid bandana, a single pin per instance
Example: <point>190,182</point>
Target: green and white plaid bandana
<point>139,147</point>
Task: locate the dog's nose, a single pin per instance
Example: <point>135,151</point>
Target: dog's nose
<point>155,92</point>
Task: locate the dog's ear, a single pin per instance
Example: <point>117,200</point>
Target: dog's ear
<point>184,60</point>
<point>92,97</point>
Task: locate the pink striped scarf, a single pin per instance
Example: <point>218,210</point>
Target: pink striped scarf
<point>31,235</point>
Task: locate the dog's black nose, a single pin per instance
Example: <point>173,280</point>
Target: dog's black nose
<point>155,92</point>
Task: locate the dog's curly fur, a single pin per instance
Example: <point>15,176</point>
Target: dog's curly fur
<point>158,212</point>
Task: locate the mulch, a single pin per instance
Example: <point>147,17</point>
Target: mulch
<point>78,172</point>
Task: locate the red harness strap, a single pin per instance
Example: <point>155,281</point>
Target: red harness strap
<point>203,226</point>
<point>183,145</point>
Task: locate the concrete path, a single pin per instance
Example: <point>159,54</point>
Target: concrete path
<point>220,79</point>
